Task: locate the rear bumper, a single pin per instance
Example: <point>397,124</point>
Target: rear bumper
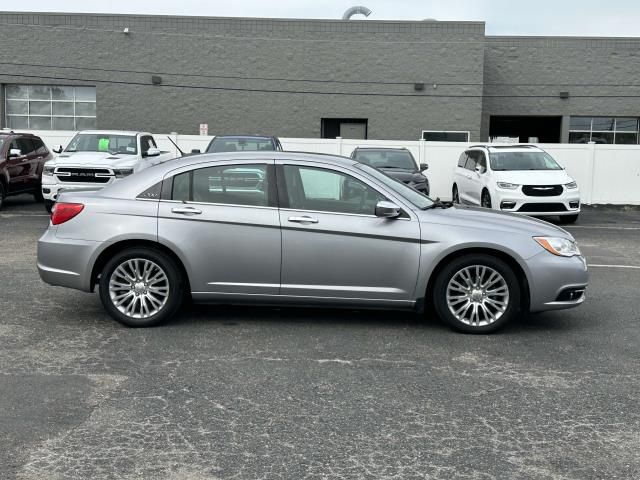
<point>66,263</point>
<point>551,280</point>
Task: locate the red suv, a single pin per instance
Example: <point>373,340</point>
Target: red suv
<point>22,157</point>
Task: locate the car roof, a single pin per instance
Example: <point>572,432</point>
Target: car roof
<point>381,148</point>
<point>270,137</point>
<point>111,132</point>
<point>507,148</point>
<point>14,133</point>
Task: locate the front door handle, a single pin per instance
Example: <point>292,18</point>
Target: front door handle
<point>187,211</point>
<point>304,219</point>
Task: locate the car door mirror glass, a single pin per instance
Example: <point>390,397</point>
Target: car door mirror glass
<point>57,149</point>
<point>423,167</point>
<point>387,209</point>
<point>15,152</point>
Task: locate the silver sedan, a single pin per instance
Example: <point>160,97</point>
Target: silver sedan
<point>290,228</point>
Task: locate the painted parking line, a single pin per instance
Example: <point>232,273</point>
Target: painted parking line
<point>628,267</point>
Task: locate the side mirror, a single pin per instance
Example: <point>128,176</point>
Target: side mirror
<point>387,209</point>
<point>57,149</point>
<point>15,152</point>
<point>152,152</point>
<point>424,166</point>
<point>195,151</point>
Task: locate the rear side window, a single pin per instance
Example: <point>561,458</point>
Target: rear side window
<point>227,184</point>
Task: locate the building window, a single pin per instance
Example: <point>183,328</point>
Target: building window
<point>606,130</point>
<point>350,128</point>
<point>56,107</point>
<point>445,136</point>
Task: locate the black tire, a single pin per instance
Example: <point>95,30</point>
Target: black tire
<point>3,194</point>
<point>37,195</point>
<point>455,195</point>
<point>485,200</point>
<point>48,205</point>
<point>174,279</point>
<point>568,219</point>
<point>452,269</point>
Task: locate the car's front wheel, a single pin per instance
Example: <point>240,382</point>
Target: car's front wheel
<point>485,200</point>
<point>141,287</point>
<point>477,293</point>
<point>455,195</point>
<point>2,194</point>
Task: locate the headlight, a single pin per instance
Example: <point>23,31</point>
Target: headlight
<point>48,169</point>
<point>571,186</point>
<point>508,186</point>
<point>122,172</point>
<point>559,246</point>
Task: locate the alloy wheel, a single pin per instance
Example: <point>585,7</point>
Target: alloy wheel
<point>477,295</point>
<point>139,288</point>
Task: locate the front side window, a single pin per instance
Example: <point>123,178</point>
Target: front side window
<point>25,146</point>
<point>94,142</point>
<point>226,184</point>
<point>55,107</point>
<point>509,161</point>
<point>472,160</point>
<point>324,190</point>
<point>146,143</point>
<point>240,144</point>
<point>390,159</point>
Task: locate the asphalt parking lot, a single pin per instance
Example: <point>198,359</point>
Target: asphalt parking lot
<point>226,392</point>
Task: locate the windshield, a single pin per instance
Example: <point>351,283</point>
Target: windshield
<point>97,142</point>
<point>413,196</point>
<point>508,161</point>
<point>386,159</point>
<point>240,144</point>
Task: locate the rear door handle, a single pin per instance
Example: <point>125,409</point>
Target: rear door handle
<point>304,219</point>
<point>187,211</point>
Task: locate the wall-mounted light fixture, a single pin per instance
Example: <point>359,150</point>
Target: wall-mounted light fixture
<point>418,87</point>
<point>564,95</point>
<point>126,30</point>
<point>156,79</point>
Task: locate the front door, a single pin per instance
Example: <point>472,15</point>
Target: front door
<point>223,219</point>
<point>333,245</point>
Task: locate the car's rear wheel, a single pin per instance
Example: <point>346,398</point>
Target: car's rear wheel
<point>477,293</point>
<point>568,219</point>
<point>48,205</point>
<point>485,200</point>
<point>455,195</point>
<point>141,287</point>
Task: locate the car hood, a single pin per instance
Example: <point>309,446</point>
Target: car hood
<point>97,159</point>
<point>485,219</point>
<point>534,177</point>
<point>404,175</point>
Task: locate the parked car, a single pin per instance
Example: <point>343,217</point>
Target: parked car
<point>398,163</point>
<point>517,178</point>
<point>95,159</point>
<point>318,230</point>
<point>22,159</point>
<point>242,143</point>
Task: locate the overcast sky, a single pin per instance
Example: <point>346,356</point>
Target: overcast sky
<point>503,17</point>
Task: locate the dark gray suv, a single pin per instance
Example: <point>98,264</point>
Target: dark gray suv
<point>398,163</point>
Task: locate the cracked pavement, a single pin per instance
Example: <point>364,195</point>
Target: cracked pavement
<point>266,393</point>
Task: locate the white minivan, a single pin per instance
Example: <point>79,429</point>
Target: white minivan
<point>516,178</point>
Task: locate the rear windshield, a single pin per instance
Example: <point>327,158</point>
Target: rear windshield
<point>97,142</point>
<point>386,159</point>
<point>509,161</point>
<point>240,144</point>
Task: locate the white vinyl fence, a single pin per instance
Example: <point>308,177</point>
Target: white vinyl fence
<point>606,174</point>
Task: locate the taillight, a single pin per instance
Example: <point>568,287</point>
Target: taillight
<point>63,212</point>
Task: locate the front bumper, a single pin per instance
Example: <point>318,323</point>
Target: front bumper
<point>51,188</point>
<point>557,283</point>
<point>65,262</point>
<point>515,201</point>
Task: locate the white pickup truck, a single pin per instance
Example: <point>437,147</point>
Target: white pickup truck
<point>95,159</point>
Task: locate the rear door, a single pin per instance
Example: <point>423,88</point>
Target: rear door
<point>466,194</point>
<point>333,245</point>
<point>223,218</point>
